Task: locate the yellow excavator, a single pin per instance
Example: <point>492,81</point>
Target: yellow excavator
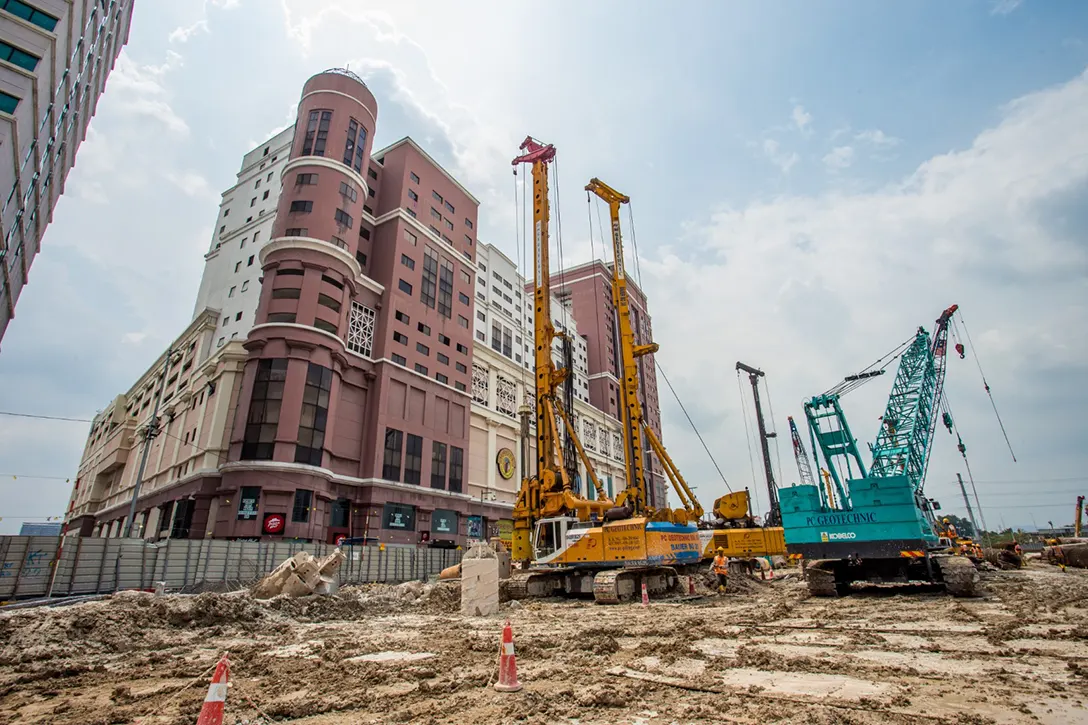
<point>732,527</point>
<point>563,542</point>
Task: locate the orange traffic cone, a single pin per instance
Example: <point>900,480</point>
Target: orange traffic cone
<point>212,711</point>
<point>691,585</point>
<point>508,663</point>
<point>645,596</point>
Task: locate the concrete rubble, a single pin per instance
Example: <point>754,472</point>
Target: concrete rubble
<point>301,575</point>
<point>480,581</point>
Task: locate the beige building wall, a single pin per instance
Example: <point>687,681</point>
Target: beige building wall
<point>195,414</point>
<point>499,386</point>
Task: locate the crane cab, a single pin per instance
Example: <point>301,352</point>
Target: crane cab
<point>554,536</point>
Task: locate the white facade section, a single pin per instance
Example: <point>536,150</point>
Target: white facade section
<point>504,318</point>
<point>496,382</point>
<point>54,59</point>
<point>232,269</point>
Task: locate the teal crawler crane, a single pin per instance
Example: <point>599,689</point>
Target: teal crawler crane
<point>877,525</point>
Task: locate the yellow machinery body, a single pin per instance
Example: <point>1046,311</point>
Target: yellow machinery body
<point>739,536</point>
<point>635,541</point>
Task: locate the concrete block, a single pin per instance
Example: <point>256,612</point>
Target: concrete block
<point>480,587</point>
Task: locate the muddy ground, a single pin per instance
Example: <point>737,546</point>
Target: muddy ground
<point>765,653</point>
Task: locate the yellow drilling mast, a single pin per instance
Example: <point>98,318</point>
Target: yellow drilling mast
<point>563,542</point>
<point>634,496</point>
<point>738,537</point>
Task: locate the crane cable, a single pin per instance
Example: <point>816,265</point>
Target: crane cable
<point>947,408</point>
<point>596,291</point>
<point>520,240</point>
<point>694,428</point>
<point>986,385</point>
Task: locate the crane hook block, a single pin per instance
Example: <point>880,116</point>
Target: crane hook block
<point>947,420</point>
<point>959,349</point>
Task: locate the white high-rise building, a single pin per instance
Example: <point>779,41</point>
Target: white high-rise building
<point>232,270</point>
<point>55,56</point>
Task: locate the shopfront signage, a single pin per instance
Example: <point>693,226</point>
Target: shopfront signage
<point>274,523</point>
<point>398,517</point>
<point>249,497</point>
<point>475,527</point>
<point>444,521</point>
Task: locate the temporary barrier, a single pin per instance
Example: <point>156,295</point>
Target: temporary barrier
<point>97,565</point>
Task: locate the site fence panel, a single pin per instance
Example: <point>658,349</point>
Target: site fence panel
<point>99,566</point>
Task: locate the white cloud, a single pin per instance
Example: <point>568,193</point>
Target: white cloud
<point>140,90</point>
<point>876,137</point>
<point>839,157</point>
<point>192,184</point>
<point>1004,7</point>
<point>801,118</point>
<point>133,338</point>
<point>841,278</point>
<point>774,153</point>
<point>182,33</point>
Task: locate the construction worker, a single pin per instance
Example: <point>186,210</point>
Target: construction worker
<point>720,567</point>
<point>949,529</point>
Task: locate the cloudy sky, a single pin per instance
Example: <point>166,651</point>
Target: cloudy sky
<point>809,181</point>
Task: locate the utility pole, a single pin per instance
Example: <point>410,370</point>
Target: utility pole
<point>774,516</point>
<point>152,432</point>
<point>967,503</point>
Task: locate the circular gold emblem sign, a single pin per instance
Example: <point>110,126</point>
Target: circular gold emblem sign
<point>506,463</point>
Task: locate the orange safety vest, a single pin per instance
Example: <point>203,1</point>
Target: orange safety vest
<point>721,565</point>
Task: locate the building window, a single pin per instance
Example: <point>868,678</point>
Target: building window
<point>463,297</point>
<point>461,367</point>
<point>413,177</point>
<point>444,359</point>
<point>360,258</point>
<point>430,277</point>
<point>422,369</point>
<point>399,359</point>
<point>343,218</point>
<point>317,133</point>
<point>443,339</point>
<point>250,262</point>
<point>301,207</point>
<point>26,12</point>
<point>438,465</point>
<point>459,385</point>
<point>289,273</point>
<point>245,285</point>
<point>496,337</point>
<point>282,317</point>
<point>413,195</point>
<point>286,293</point>
<point>296,232</point>
<point>422,349</point>
<point>372,173</point>
<point>437,216</point>
<point>232,289</point>
<point>348,191</point>
<point>339,514</point>
<point>480,377</point>
<point>411,213</point>
<point>401,317</point>
<point>19,57</point>
<point>413,459</point>
<point>315,413</point>
<point>462,349</point>
<point>481,336</point>
<point>8,104</point>
<point>506,347</point>
<point>305,179</point>
<point>462,321</point>
<point>326,326</point>
<point>263,197</point>
<point>457,460</point>
<point>442,378</point>
<point>338,242</point>
<point>391,463</point>
<point>264,410</point>
<point>400,337</point>
<point>425,329</point>
<point>445,289</point>
<point>300,512</point>
<point>481,315</point>
<point>404,287</point>
<point>237,266</point>
<point>407,261</point>
<point>505,396</point>
<point>326,301</point>
<point>410,238</point>
<point>449,225</point>
<point>353,147</point>
<point>361,329</point>
<point>449,206</point>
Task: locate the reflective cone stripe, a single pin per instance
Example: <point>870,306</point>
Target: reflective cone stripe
<point>691,585</point>
<point>508,663</point>
<point>645,595</point>
<point>212,711</point>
